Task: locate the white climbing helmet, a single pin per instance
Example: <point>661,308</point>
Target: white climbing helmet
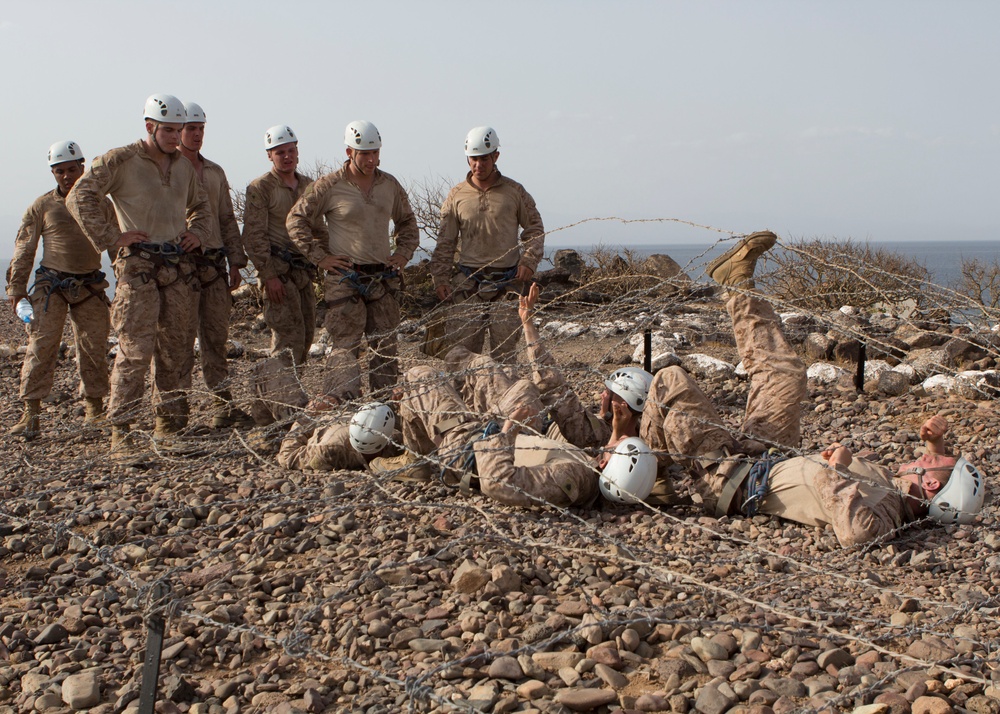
<point>630,473</point>
<point>164,108</point>
<point>961,498</point>
<point>481,141</point>
<point>279,135</point>
<point>372,428</point>
<point>631,384</point>
<point>363,136</point>
<point>63,151</point>
<point>195,114</point>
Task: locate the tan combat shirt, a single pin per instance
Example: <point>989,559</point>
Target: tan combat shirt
<point>480,229</point>
<point>267,204</point>
<point>225,229</point>
<point>64,246</point>
<point>356,225</point>
<point>792,493</point>
<point>162,205</point>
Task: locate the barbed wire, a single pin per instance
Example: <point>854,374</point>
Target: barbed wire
<point>347,541</point>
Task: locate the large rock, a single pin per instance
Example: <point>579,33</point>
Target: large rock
<point>960,352</point>
<point>665,267</point>
<point>707,367</point>
<point>818,346</point>
<point>469,577</point>
<point>893,383</point>
<point>916,338</point>
<point>569,260</point>
<point>81,691</point>
<point>585,700</point>
<point>825,373</point>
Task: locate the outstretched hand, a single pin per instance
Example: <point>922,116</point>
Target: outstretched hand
<point>837,456</point>
<point>526,303</point>
<point>932,432</point>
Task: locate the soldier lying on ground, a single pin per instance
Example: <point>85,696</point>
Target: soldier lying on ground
<point>481,434</point>
<point>859,499</point>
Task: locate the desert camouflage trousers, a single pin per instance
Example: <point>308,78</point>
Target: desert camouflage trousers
<point>293,320</point>
<point>481,382</point>
<point>154,313</point>
<point>277,390</point>
<point>323,443</point>
<point>437,422</point>
<point>308,447</point>
<point>474,313</point>
<point>215,305</point>
<point>89,315</point>
<point>680,423</point>
<point>350,318</point>
<point>860,507</point>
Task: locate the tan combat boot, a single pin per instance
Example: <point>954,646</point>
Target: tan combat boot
<point>225,415</point>
<point>165,427</point>
<point>405,467</point>
<point>121,438</point>
<point>28,426</point>
<point>735,267</point>
<point>93,410</point>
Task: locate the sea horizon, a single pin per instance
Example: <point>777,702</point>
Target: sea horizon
<point>942,258</point>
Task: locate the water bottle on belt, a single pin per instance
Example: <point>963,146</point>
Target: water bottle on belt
<point>24,311</point>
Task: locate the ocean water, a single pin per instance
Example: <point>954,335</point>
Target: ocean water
<point>942,258</point>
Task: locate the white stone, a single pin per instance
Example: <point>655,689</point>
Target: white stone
<point>659,360</point>
<point>571,329</point>
<point>707,367</point>
<point>318,350</point>
<point>81,691</point>
<point>940,383</point>
<point>824,372</point>
<point>875,367</point>
<point>794,318</point>
<point>907,371</point>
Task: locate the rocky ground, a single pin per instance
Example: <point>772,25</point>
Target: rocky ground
<point>317,592</point>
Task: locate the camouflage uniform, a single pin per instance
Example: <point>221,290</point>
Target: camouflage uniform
<point>521,471</point>
<point>334,217</point>
<point>680,422</point>
<point>293,321</point>
<point>157,291</point>
<point>324,445</point>
<point>69,279</point>
<point>479,233</point>
<point>215,304</point>
<point>278,393</point>
<point>571,422</point>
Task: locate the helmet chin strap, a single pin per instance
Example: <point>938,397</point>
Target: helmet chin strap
<point>156,126</point>
<point>920,472</point>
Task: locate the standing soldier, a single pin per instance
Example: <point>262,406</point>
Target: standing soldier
<point>284,274</point>
<point>342,225</point>
<point>223,243</point>
<point>69,278</point>
<point>479,233</point>
<point>163,217</point>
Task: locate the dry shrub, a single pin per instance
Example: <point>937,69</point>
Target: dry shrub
<point>616,269</point>
<point>822,274</point>
<point>980,282</point>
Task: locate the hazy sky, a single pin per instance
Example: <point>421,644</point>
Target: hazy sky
<point>863,119</point>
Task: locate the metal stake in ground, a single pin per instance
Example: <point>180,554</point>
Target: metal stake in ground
<point>859,376</point>
<point>155,627</point>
